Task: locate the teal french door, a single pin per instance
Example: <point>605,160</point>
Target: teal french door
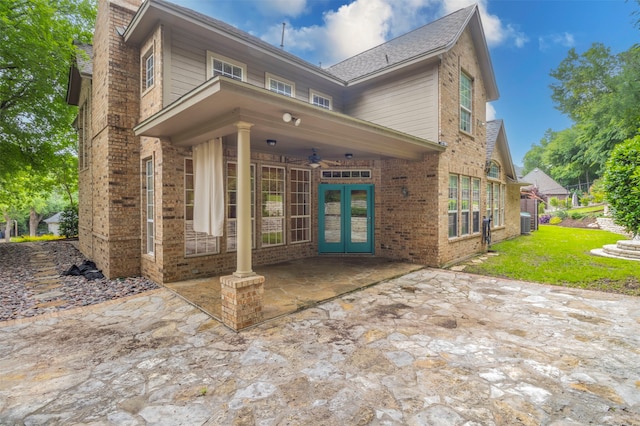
<point>345,219</point>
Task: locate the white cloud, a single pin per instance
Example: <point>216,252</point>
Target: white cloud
<point>490,112</point>
<point>356,27</point>
<point>363,24</point>
<point>564,39</point>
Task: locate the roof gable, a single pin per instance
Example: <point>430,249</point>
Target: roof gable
<point>497,143</point>
<point>422,43</point>
<point>544,183</point>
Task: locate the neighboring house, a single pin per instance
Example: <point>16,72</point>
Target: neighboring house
<point>547,187</point>
<point>188,124</point>
<point>53,223</point>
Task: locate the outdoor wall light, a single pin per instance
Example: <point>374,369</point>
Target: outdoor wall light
<point>271,142</point>
<point>288,118</point>
<point>405,192</point>
<point>348,156</point>
<point>314,165</point>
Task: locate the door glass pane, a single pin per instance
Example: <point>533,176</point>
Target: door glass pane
<point>359,215</point>
<point>332,216</point>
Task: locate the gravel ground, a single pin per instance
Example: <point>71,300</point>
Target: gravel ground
<point>18,299</point>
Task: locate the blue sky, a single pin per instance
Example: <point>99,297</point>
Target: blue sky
<point>527,39</point>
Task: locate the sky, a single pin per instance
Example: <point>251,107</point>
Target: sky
<point>527,39</point>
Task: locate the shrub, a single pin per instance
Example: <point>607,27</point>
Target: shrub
<point>544,219</point>
<point>576,215</point>
<point>553,202</point>
<point>622,184</point>
<point>555,220</point>
<point>562,214</point>
<point>69,222</point>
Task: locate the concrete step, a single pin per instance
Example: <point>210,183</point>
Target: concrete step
<point>615,250</point>
<point>632,245</point>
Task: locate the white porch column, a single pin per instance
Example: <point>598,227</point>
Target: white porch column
<point>242,292</point>
<point>243,267</point>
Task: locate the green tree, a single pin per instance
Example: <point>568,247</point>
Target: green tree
<point>533,158</point>
<point>622,184</point>
<point>36,46</point>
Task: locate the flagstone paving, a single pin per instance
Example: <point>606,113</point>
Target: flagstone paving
<point>431,347</point>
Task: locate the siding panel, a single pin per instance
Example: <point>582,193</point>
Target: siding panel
<point>188,65</point>
<point>408,103</point>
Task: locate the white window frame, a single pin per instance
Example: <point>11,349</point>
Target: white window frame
<point>270,217</point>
<point>465,205</point>
<point>494,170</point>
<point>300,207</point>
<point>466,103</point>
<point>195,243</point>
<point>453,203</point>
<point>475,205</point>
<point>232,220</point>
<point>149,207</point>
<point>148,72</point>
<point>81,128</point>
<point>230,62</point>
<point>269,78</point>
<point>315,94</point>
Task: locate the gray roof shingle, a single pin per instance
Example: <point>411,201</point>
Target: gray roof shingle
<point>493,130</point>
<point>432,37</point>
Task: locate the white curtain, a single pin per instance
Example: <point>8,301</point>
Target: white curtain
<point>208,204</point>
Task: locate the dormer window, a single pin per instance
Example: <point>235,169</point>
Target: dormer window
<point>466,98</point>
<point>219,65</point>
<point>280,85</point>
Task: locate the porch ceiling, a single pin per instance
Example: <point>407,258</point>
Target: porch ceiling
<point>212,109</point>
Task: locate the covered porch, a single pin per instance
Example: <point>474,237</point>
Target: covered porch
<point>251,120</point>
<point>299,284</point>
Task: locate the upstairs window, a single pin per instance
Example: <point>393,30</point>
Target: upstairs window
<point>281,86</point>
<point>219,65</point>
<point>148,70</point>
<point>318,99</point>
<point>494,170</point>
<point>466,96</point>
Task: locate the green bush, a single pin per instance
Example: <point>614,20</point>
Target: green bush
<point>69,222</point>
<point>622,184</point>
<point>576,215</point>
<point>555,220</point>
<point>562,214</point>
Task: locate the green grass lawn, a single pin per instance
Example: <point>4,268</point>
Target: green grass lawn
<point>561,256</point>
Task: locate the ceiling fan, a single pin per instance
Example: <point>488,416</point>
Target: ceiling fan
<point>315,161</point>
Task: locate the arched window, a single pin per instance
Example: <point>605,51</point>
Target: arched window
<point>494,170</point>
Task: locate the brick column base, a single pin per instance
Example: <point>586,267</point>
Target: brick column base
<point>241,300</point>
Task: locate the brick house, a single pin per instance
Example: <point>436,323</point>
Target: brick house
<point>384,154</point>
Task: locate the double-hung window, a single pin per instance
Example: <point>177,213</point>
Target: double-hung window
<point>195,243</point>
<point>466,98</point>
<point>465,204</point>
<point>280,85</point>
<point>149,198</point>
<point>220,65</point>
<point>273,206</point>
<point>475,204</point>
<point>300,184</point>
<point>453,206</point>
<point>148,70</point>
<point>232,206</point>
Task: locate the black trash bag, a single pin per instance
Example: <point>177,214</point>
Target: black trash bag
<point>74,270</point>
<point>87,269</point>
